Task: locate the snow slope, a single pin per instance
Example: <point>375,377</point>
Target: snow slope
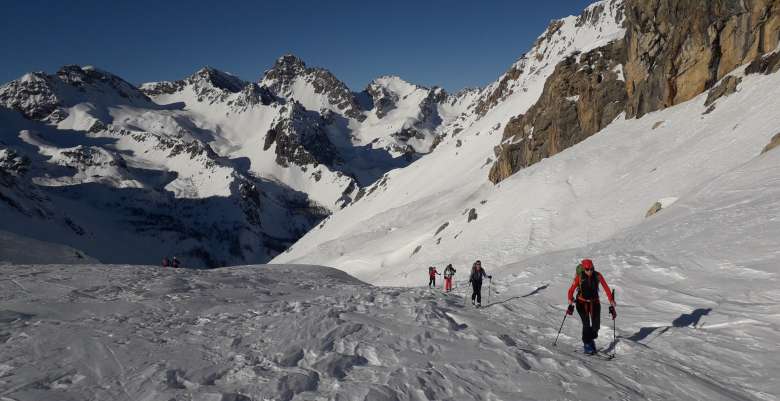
<point>583,195</point>
<point>696,321</point>
<point>15,249</point>
<point>696,285</point>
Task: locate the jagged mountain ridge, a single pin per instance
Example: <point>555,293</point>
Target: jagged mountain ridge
<point>212,142</point>
<point>301,128</point>
<point>92,162</point>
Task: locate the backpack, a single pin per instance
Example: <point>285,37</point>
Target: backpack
<point>596,277</point>
<point>579,269</point>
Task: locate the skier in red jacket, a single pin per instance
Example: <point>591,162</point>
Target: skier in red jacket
<point>432,277</point>
<point>587,303</point>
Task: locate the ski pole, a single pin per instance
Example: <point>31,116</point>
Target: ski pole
<point>614,320</point>
<point>490,286</point>
<point>561,328</point>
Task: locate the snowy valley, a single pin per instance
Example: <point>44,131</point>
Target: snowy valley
<point>620,136</point>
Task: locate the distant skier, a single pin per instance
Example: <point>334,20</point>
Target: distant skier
<point>449,271</point>
<point>432,277</point>
<point>175,262</point>
<point>166,262</point>
<point>477,274</point>
<point>586,281</point>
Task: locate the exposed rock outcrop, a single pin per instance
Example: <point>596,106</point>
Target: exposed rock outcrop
<point>472,215</point>
<point>679,49</point>
<point>727,87</point>
<point>300,138</point>
<point>384,100</point>
<point>582,96</point>
<point>775,142</point>
<point>500,92</point>
<point>768,64</point>
<point>33,96</point>
<point>657,207</point>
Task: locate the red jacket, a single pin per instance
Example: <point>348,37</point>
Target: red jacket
<point>576,283</point>
<point>432,273</point>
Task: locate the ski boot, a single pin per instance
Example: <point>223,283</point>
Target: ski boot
<point>589,348</point>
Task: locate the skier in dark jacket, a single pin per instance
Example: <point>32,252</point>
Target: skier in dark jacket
<point>175,262</point>
<point>586,282</point>
<point>432,277</point>
<point>449,271</point>
<point>477,274</point>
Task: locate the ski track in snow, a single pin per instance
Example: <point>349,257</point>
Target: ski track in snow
<point>304,332</point>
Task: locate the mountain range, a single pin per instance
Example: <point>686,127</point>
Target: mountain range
<point>297,167</point>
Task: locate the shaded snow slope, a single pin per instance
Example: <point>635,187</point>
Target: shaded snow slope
<point>129,180</point>
<point>15,249</point>
<point>582,195</point>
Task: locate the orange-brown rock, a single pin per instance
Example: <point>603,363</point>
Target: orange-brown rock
<point>678,49</point>
<point>582,96</point>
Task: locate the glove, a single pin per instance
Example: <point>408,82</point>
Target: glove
<point>570,309</point>
<point>612,312</point>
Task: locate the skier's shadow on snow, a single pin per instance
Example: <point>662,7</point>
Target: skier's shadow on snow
<point>532,293</point>
<point>685,320</point>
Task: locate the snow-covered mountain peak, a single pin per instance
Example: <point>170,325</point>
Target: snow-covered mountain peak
<point>210,85</point>
<point>395,84</point>
<point>218,79</point>
<point>316,88</point>
<point>611,10</point>
<point>92,78</point>
<point>288,65</point>
<point>599,24</point>
<point>40,96</point>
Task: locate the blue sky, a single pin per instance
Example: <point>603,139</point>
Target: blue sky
<point>452,44</point>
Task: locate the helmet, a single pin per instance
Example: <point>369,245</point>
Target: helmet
<point>587,264</point>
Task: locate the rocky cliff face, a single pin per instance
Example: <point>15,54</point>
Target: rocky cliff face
<point>584,94</point>
<point>673,50</point>
<point>300,138</point>
<point>678,49</point>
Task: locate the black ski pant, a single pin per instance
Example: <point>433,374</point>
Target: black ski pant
<point>477,293</point>
<point>590,313</point>
<point>432,282</point>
